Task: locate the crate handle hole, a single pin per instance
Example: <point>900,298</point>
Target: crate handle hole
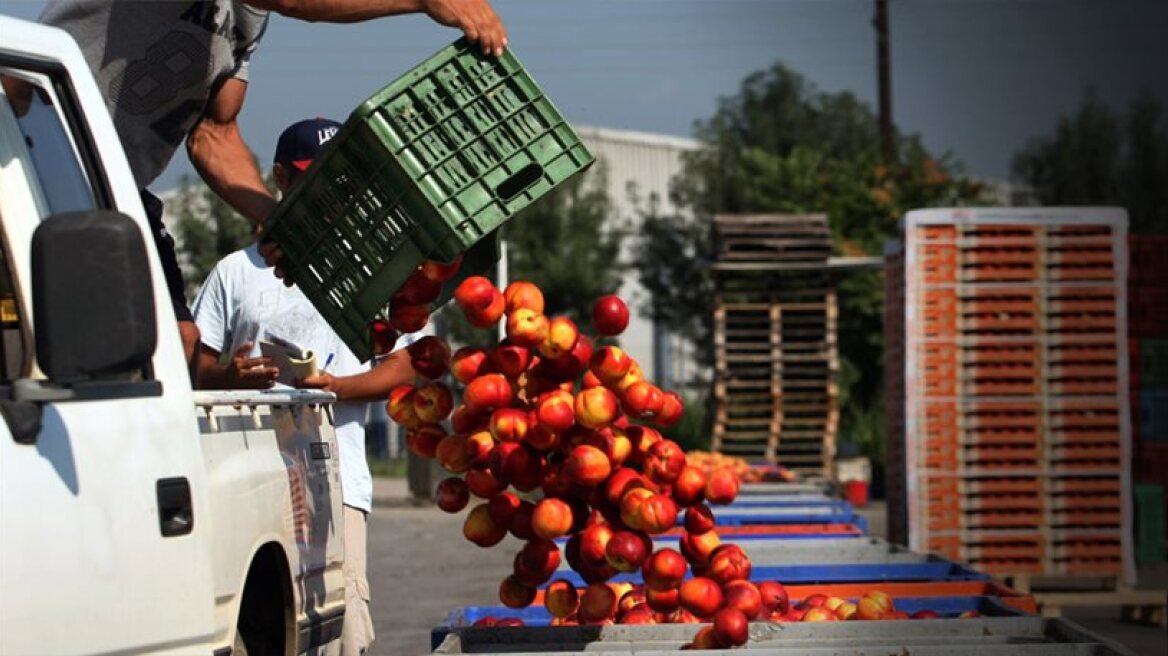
<point>522,179</point>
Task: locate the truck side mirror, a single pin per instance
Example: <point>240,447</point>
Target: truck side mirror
<point>93,301</point>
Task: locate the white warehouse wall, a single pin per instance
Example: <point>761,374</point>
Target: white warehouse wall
<point>648,161</point>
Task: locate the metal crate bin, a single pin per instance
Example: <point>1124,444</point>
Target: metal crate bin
<point>984,636</point>
<point>898,590</point>
<point>737,516</point>
<point>771,532</point>
<point>788,500</point>
<point>932,570</point>
<point>824,551</point>
<point>783,531</point>
<point>808,486</point>
<point>815,549</point>
<point>429,167</point>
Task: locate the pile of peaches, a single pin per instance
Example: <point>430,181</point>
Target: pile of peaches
<point>556,438</point>
<point>727,609</point>
<point>747,473</point>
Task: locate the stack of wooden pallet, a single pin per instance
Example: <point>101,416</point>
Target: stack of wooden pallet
<point>1008,431</point>
<point>775,341</point>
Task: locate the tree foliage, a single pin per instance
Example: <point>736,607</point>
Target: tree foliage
<point>1099,157</point>
<point>781,145</point>
<point>569,245</point>
<point>673,256</point>
<point>208,229</point>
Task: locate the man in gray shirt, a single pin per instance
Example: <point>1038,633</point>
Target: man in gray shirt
<point>175,71</point>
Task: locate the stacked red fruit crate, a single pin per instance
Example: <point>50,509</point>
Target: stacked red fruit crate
<point>1009,439</point>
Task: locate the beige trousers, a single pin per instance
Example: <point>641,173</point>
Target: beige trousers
<point>357,631</point>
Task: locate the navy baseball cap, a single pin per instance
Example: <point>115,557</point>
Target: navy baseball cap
<point>301,142</point>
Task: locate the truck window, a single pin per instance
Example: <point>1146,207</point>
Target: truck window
<point>55,169</point>
<point>48,166</point>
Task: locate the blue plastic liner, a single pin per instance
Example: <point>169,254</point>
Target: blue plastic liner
<point>833,535</point>
<point>939,571</point>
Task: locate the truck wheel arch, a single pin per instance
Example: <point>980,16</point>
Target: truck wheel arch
<point>265,621</point>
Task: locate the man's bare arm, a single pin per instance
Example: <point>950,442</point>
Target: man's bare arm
<point>475,18</point>
<point>241,372</point>
<point>223,160</point>
<point>372,385</point>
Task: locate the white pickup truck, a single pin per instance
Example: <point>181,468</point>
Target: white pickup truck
<point>136,515</point>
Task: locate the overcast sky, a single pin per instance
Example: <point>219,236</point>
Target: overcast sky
<point>974,77</point>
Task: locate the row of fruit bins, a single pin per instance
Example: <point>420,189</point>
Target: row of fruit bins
<point>809,572</point>
<point>790,501</point>
<point>574,432</point>
<point>935,607</point>
<point>768,488</point>
<point>759,569</point>
<point>823,579</point>
<point>788,515</point>
<point>982,636</point>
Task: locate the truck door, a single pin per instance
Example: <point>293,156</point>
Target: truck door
<point>103,545</point>
<point>274,478</point>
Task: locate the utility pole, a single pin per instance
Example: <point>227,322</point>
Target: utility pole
<point>884,73</point>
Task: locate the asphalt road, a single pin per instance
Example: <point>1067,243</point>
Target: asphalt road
<point>421,568</point>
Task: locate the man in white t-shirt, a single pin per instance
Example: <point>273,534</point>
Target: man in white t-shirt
<point>241,303</point>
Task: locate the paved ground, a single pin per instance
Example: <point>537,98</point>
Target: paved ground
<point>421,567</point>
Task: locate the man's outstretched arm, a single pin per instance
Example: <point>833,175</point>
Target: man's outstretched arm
<point>373,385</point>
<point>475,18</point>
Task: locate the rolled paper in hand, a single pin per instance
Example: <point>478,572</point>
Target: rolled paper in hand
<point>303,367</point>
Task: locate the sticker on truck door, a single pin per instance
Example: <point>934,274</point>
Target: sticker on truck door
<point>319,450</point>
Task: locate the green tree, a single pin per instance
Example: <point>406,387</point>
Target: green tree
<point>674,255</point>
<point>208,229</point>
<point>781,145</point>
<point>569,244</point>
<point>1099,157</point>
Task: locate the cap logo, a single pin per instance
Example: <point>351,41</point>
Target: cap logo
<point>325,134</point>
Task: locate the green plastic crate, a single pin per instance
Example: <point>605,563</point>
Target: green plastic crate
<point>1150,529</point>
<point>428,168</point>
